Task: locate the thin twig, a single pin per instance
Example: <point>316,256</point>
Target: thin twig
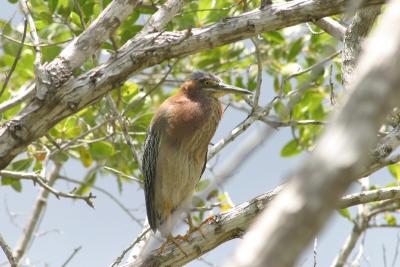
<point>396,250</point>
<point>383,225</point>
<point>8,252</point>
<point>384,255</point>
<point>125,131</point>
<point>314,66</point>
<point>17,57</point>
<point>315,252</point>
<point>41,77</point>
<point>26,92</point>
<point>277,124</point>
<point>161,81</point>
<point>34,219</point>
<point>332,89</point>
<point>41,44</point>
<point>80,13</point>
<point>241,128</point>
<point>137,240</point>
<point>360,254</point>
<point>76,250</point>
<point>72,141</point>
<point>33,32</point>
<point>123,174</point>
<point>36,178</point>
<point>259,72</point>
<point>211,9</point>
<point>108,194</point>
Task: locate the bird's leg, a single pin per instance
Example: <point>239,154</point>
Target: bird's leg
<point>172,239</point>
<point>192,228</point>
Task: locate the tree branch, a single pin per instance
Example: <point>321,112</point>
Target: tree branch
<point>125,130</point>
<point>8,252</point>
<point>277,238</point>
<point>33,221</point>
<point>353,40</point>
<point>17,57</point>
<point>332,27</point>
<point>23,94</point>
<point>163,16</point>
<point>88,42</point>
<point>36,178</point>
<point>234,223</point>
<point>137,54</point>
<point>41,78</point>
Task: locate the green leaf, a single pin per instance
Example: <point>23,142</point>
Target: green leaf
<point>101,150</point>
<point>390,219</point>
<point>213,194</point>
<point>14,183</point>
<point>75,19</point>
<point>38,166</point>
<point>205,6</point>
<point>295,50</point>
<point>85,156</point>
<point>89,181</point>
<point>201,185</point>
<point>45,17</point>
<point>291,149</point>
<point>53,5</point>
<point>61,157</point>
<point>281,110</point>
<point>394,169</point>
<point>345,213</point>
<point>21,165</point>
<point>275,37</point>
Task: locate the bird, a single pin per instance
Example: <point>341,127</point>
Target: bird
<point>176,146</point>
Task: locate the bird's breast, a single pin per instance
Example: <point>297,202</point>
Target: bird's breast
<point>193,124</point>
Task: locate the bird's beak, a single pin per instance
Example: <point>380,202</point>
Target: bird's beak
<point>224,88</point>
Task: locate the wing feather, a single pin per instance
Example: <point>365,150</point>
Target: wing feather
<point>150,157</point>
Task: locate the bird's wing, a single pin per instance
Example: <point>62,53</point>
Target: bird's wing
<point>150,158</point>
<point>204,166</point>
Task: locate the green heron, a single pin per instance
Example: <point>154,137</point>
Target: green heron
<point>175,150</point>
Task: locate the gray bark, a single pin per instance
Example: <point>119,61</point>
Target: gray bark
<point>299,212</point>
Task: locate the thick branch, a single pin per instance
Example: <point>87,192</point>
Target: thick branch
<point>164,14</point>
<point>38,117</point>
<point>353,40</point>
<point>369,196</point>
<point>293,219</point>
<point>235,222</point>
<point>86,44</point>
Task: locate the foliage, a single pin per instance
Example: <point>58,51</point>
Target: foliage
<point>304,97</point>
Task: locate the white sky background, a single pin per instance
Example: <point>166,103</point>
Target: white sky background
<point>105,231</point>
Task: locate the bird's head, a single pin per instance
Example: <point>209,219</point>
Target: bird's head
<point>209,84</point>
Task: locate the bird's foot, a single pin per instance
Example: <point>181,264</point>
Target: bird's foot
<point>193,228</point>
<point>173,240</point>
